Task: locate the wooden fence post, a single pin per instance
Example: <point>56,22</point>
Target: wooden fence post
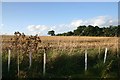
<point>30,59</point>
<point>18,63</point>
<point>44,63</point>
<point>105,56</point>
<point>9,54</point>
<point>85,59</point>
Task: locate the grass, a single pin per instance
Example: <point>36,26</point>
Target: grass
<point>72,41</point>
<point>62,65</point>
<point>65,58</point>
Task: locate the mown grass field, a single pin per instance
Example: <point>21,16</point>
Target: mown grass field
<point>66,58</point>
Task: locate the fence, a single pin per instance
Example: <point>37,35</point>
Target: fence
<point>45,59</point>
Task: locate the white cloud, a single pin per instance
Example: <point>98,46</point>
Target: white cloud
<point>96,21</point>
<point>37,29</point>
<point>62,28</point>
<point>43,30</point>
<point>77,22</point>
<point>101,21</point>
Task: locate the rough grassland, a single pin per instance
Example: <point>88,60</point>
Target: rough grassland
<point>65,58</point>
<point>73,42</point>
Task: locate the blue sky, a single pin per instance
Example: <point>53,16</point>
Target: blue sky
<point>39,17</point>
<point>60,0</point>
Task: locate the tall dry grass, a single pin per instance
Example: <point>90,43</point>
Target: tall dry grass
<point>72,42</point>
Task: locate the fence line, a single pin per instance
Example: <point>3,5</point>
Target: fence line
<point>44,59</point>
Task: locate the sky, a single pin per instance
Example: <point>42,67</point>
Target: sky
<point>40,17</point>
<point>60,0</point>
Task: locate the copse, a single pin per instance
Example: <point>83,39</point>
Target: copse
<point>90,30</point>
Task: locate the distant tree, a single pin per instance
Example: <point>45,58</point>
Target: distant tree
<point>107,31</point>
<point>70,33</point>
<point>93,31</point>
<point>59,34</point>
<point>80,30</point>
<point>118,30</point>
<point>89,31</point>
<point>52,33</point>
<point>64,34</point>
<point>113,30</point>
<point>97,31</point>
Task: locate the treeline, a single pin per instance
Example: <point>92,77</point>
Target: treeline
<point>92,31</point>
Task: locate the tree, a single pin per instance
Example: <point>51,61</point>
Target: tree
<point>118,31</point>
<point>70,33</point>
<point>89,31</point>
<point>107,31</point>
<point>93,31</point>
<point>52,32</point>
<point>79,31</point>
